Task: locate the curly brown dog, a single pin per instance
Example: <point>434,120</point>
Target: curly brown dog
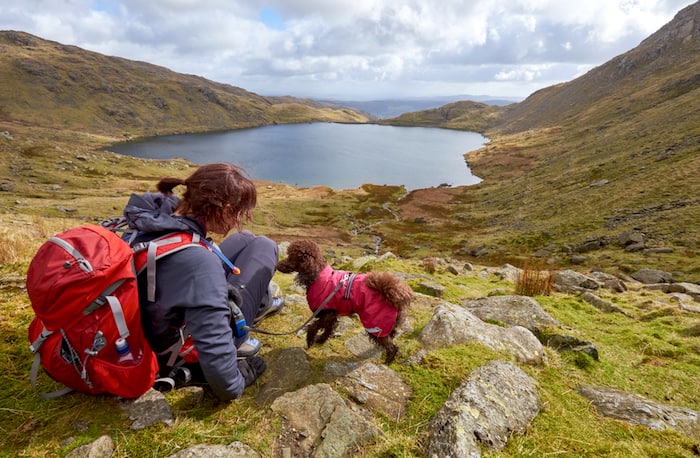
<point>380,299</point>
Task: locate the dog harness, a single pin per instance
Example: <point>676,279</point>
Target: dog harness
<point>376,314</point>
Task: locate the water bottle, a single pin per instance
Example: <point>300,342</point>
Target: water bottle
<point>124,355</point>
<point>238,324</point>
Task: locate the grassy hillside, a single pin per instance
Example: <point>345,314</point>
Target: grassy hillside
<point>614,150</point>
<point>53,85</point>
<point>652,351</point>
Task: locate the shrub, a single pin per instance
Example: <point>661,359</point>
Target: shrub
<point>533,281</point>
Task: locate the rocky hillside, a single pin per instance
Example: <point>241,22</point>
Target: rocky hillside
<point>575,165</point>
<point>53,85</point>
<point>661,73</point>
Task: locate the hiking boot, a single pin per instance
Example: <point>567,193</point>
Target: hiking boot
<point>273,306</point>
<point>249,348</point>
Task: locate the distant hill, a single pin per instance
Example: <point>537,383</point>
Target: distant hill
<point>389,108</point>
<point>49,84</point>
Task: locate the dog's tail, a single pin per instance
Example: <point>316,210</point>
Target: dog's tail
<point>396,292</point>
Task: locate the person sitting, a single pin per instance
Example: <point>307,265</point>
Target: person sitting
<point>192,288</point>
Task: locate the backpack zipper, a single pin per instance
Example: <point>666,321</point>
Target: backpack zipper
<point>84,264</point>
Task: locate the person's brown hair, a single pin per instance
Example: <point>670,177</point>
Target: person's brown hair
<point>209,189</point>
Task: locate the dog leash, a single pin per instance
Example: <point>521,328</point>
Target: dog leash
<point>347,277</point>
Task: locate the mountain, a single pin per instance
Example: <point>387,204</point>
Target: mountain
<point>661,70</point>
<point>50,84</point>
<point>575,165</point>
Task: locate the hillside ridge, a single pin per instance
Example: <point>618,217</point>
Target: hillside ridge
<point>49,84</point>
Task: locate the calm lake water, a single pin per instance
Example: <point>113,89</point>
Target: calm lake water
<point>341,156</point>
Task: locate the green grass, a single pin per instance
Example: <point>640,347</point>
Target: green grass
<point>654,354</point>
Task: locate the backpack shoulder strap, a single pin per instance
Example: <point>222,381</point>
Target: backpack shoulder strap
<point>147,253</point>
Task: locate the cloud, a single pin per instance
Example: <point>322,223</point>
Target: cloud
<point>355,48</point>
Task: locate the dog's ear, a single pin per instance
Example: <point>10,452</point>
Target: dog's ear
<point>311,259</point>
<point>289,264</point>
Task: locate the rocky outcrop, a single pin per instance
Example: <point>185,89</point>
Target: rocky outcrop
<point>451,325</point>
<point>649,276</point>
<point>496,401</point>
<point>319,422</point>
<point>340,415</point>
<point>512,310</point>
<point>232,450</point>
<point>638,410</point>
<point>378,389</point>
<point>527,312</point>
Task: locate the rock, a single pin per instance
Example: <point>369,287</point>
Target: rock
<point>635,247</point>
<point>663,287</point>
<point>102,447</point>
<point>360,262</point>
<point>691,289</point>
<point>566,343</point>
<point>379,389</point>
<point>233,450</point>
<point>193,395</point>
<point>631,237</point>
<point>649,276</point>
<point>361,346</point>
<point>608,281</point>
<point>451,325</point>
<point>658,250</point>
<point>570,281</point>
<point>287,371</point>
<point>508,272</point>
<point>450,269</point>
<point>637,410</point>
<point>512,310</point>
<point>319,423</point>
<point>496,401</point>
<point>591,244</point>
<point>151,408</point>
<point>600,304</point>
<point>430,288</point>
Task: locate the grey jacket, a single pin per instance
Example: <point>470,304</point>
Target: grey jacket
<point>191,288</point>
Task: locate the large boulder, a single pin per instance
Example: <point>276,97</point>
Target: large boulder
<point>452,324</point>
<point>496,401</point>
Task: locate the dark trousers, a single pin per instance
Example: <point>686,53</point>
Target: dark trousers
<point>256,256</point>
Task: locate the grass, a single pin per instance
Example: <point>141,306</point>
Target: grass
<point>654,354</point>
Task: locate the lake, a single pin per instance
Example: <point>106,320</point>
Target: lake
<point>340,156</point>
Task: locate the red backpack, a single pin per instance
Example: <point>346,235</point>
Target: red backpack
<point>83,290</point>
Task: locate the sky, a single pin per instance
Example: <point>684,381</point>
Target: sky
<point>355,49</point>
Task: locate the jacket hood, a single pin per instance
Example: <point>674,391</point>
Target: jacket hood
<point>153,212</point>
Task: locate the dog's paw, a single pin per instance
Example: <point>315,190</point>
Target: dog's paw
<point>311,336</point>
<point>390,355</point>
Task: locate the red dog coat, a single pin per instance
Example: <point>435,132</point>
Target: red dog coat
<point>376,314</point>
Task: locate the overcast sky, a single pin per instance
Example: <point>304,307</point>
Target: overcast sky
<point>355,49</point>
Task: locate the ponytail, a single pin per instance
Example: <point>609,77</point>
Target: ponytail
<point>166,185</point>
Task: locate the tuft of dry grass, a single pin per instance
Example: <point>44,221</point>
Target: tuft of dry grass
<point>533,280</point>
